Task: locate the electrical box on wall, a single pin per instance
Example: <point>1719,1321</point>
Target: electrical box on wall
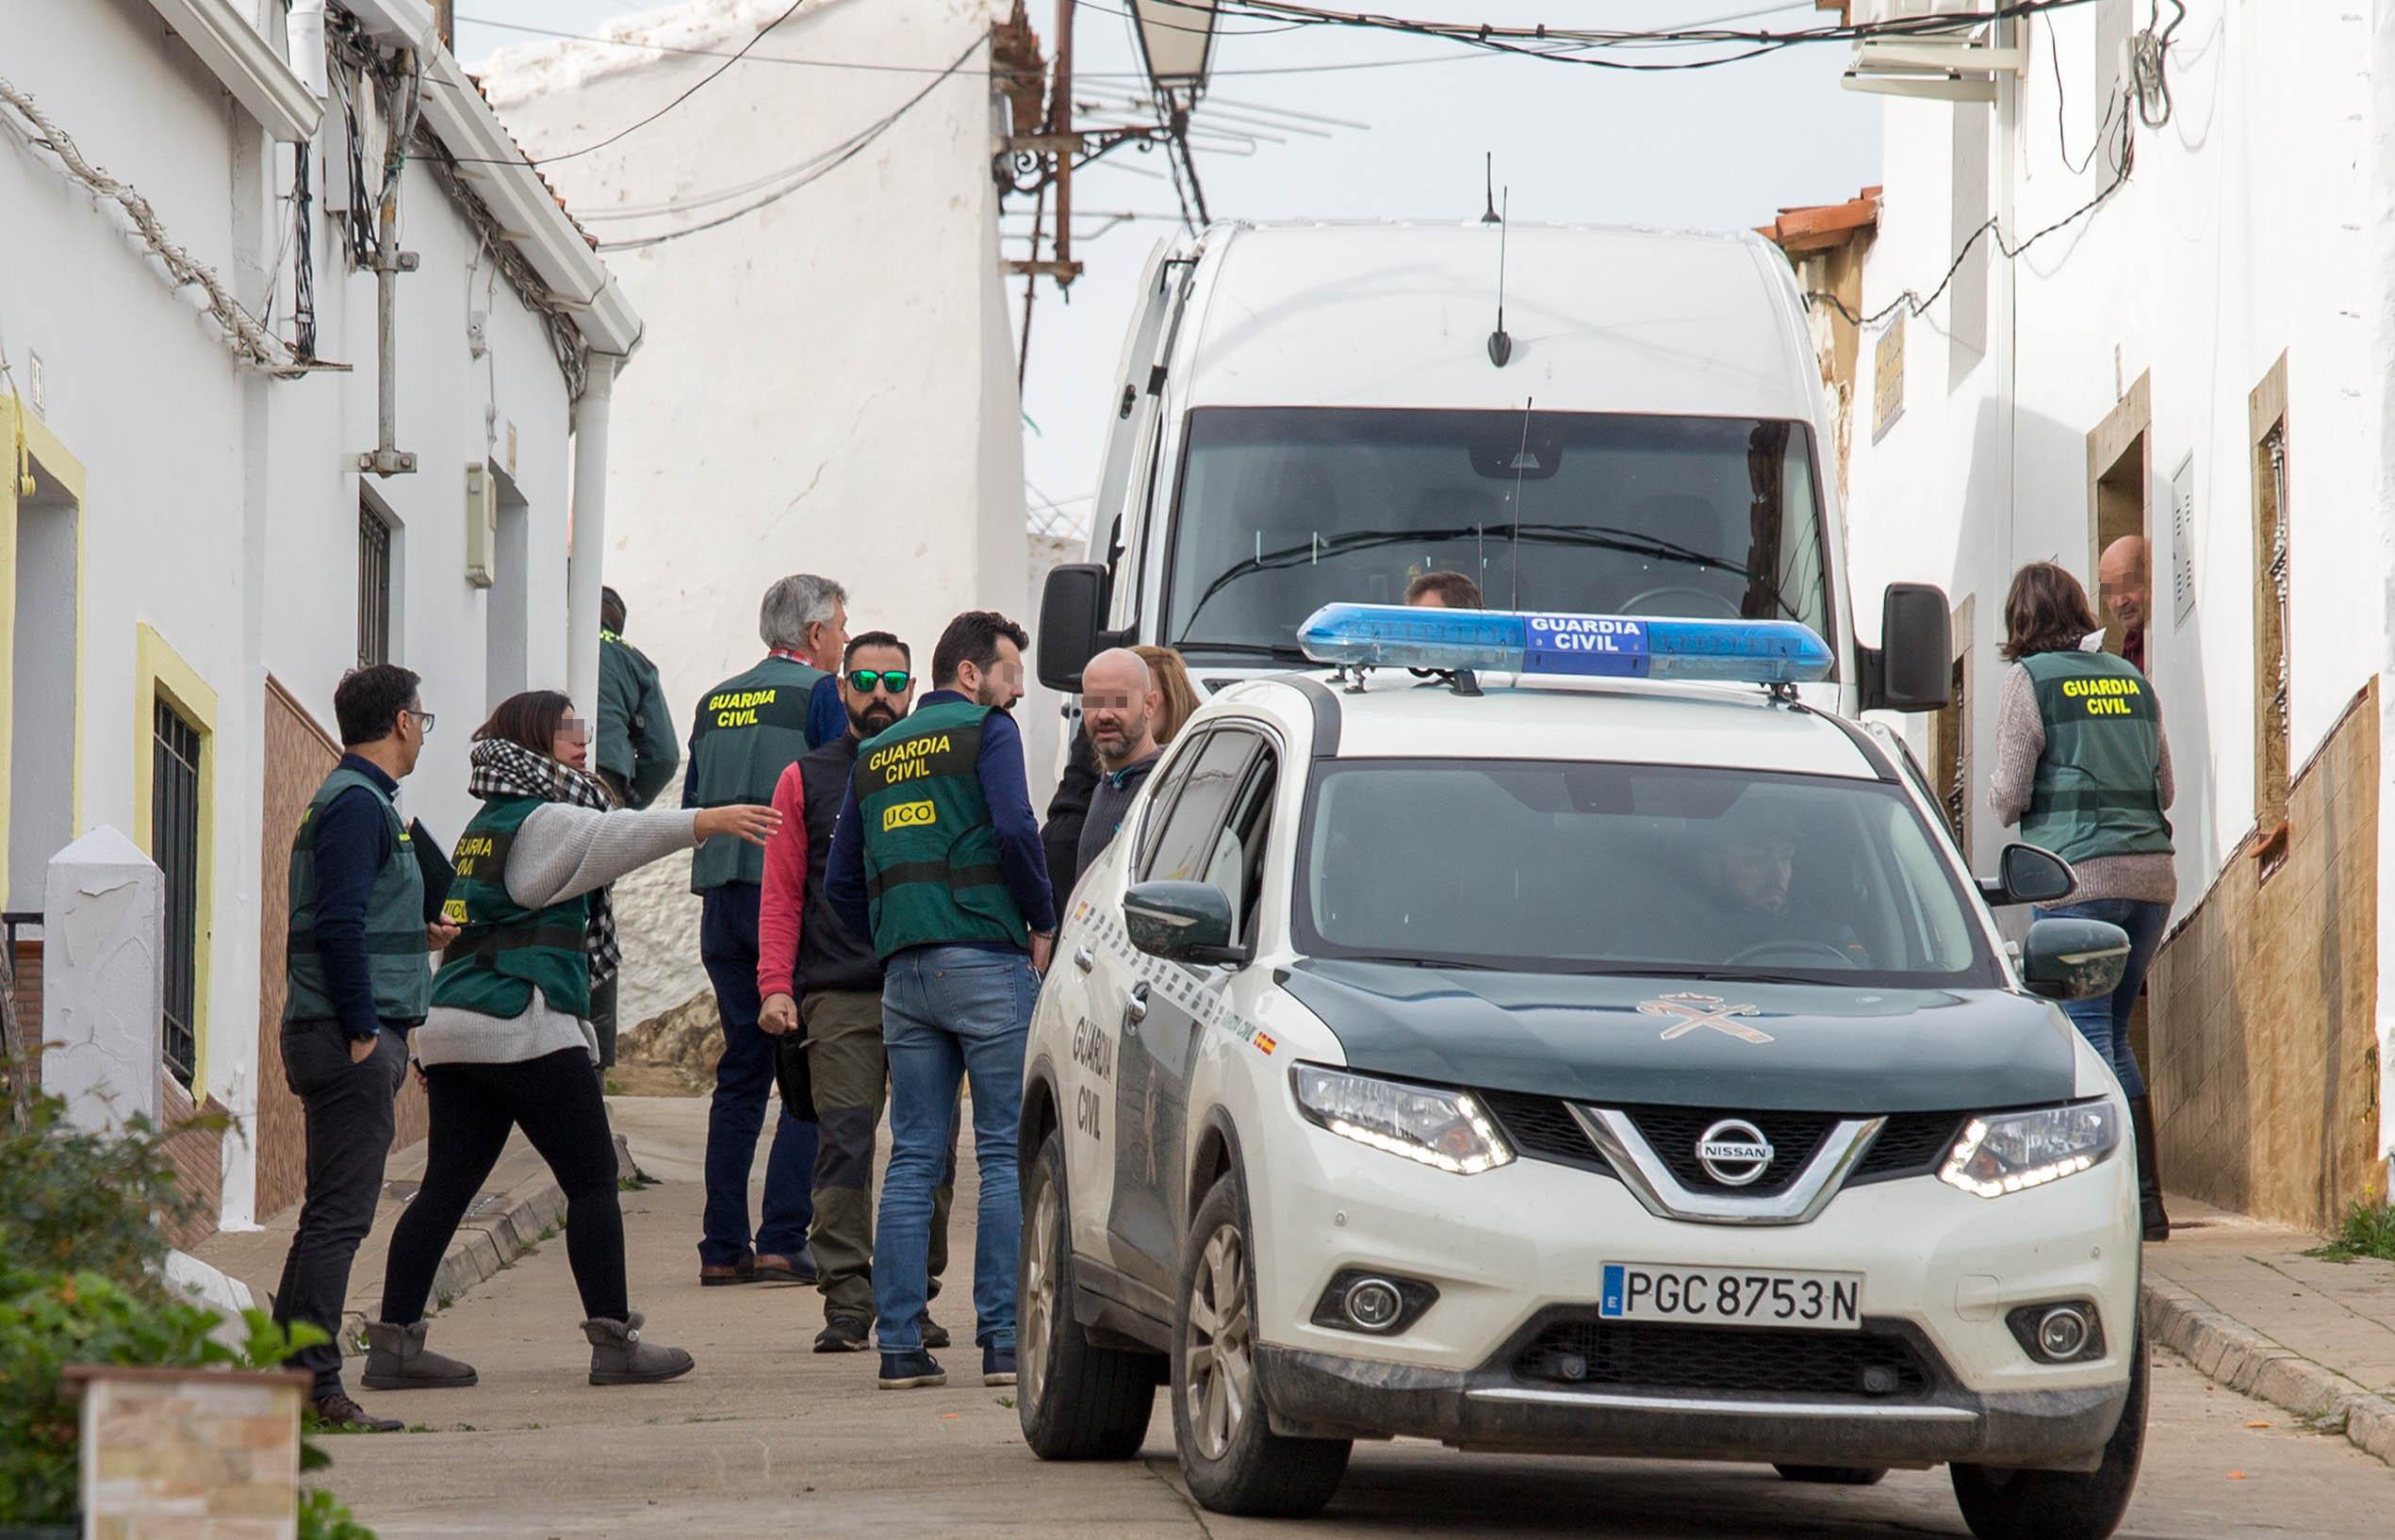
<point>481,525</point>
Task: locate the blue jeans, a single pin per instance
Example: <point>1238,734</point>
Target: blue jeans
<point>951,1013</point>
<point>2104,1020</point>
<point>744,1084</point>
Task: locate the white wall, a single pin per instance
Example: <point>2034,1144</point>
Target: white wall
<point>827,384</point>
<point>222,505</point>
<point>2255,222</point>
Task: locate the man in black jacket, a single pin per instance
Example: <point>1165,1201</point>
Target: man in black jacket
<point>1119,706</point>
<point>811,965</point>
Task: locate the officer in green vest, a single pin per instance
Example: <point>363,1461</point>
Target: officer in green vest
<point>636,756</point>
<point>2083,765</point>
<point>356,978</point>
<point>937,857</point>
<point>749,729</point>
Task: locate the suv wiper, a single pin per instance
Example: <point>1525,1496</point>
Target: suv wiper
<point>1708,976</point>
<point>1417,962</point>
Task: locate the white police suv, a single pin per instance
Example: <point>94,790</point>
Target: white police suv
<point>1584,1048</point>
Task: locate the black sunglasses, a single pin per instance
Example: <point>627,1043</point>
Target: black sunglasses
<point>863,679</point>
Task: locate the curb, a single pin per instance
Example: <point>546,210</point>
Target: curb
<point>489,1239</point>
<point>2232,1354</point>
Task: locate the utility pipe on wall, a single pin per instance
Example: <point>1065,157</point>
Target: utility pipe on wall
<point>586,552</point>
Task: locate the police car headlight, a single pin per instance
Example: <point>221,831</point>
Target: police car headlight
<point>2011,1152</point>
<point>1449,1129</point>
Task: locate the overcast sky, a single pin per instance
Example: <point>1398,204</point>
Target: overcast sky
<point>1714,148</point>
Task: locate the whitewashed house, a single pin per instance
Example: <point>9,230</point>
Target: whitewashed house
<point>227,484</point>
<point>828,385</point>
<point>2194,343</point>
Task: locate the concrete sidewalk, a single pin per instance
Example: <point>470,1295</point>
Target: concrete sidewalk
<point>2241,1300</point>
<point>518,1209</point>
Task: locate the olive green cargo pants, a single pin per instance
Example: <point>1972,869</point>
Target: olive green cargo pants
<point>851,1081</point>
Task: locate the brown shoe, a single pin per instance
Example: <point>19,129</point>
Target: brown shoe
<point>785,1269</point>
<point>336,1412</point>
<point>743,1271</point>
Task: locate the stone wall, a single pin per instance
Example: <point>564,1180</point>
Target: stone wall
<point>2262,1054</point>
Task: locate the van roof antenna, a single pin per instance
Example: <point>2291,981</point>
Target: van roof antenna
<point>1501,347</point>
<point>1489,171</point>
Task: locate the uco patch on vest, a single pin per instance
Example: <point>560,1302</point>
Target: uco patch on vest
<point>907,815</point>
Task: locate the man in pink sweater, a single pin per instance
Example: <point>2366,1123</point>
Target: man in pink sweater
<point>821,985</point>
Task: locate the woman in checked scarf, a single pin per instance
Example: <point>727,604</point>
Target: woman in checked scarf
<point>508,1043</point>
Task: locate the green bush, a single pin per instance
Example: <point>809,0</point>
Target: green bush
<point>80,1251</point>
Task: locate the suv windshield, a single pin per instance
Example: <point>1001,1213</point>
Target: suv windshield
<point>1639,869</point>
<point>1285,509</point>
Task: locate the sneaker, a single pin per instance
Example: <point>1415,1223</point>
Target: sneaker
<point>336,1412</point>
<point>934,1335</point>
<point>907,1370</point>
<point>844,1333</point>
<point>998,1365</point>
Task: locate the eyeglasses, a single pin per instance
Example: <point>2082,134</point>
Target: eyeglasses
<point>892,680</point>
<point>423,720</point>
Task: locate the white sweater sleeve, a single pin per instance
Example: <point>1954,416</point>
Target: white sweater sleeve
<point>563,851</point>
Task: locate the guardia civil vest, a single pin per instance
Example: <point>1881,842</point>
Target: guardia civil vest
<point>932,853</point>
<point>395,957</point>
<point>751,729</point>
<point>504,949</point>
<point>2095,792</point>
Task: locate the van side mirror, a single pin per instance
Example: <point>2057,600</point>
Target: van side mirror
<point>1072,608</point>
<point>2074,959</point>
<point>1912,669</point>
<point>2026,875</point>
<point>1181,921</point>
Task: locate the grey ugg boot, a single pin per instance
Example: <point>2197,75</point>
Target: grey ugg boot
<point>397,1359</point>
<point>618,1356</point>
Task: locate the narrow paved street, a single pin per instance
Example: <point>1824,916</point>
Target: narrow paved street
<point>766,1439</point>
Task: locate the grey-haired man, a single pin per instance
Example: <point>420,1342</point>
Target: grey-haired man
<point>748,729</point>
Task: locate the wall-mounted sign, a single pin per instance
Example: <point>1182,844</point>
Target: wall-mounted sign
<point>1887,379</point>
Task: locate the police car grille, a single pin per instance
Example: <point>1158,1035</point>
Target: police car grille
<point>1672,1132</point>
<point>1909,1144</point>
<point>1717,1360</point>
<point>1543,1128</point>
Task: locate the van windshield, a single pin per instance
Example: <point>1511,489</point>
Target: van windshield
<point>1285,509</point>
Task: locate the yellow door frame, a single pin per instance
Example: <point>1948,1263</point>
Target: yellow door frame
<point>161,673</point>
<point>33,454</point>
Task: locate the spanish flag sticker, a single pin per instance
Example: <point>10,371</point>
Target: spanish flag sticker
<point>1264,1040</point>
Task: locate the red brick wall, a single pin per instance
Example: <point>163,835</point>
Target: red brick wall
<point>299,755</point>
<point>197,1155</point>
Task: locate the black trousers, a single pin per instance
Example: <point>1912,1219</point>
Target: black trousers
<point>603,1021</point>
<point>556,1101</point>
<point>350,1124</point>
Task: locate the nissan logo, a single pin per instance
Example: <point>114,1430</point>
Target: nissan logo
<point>1734,1152</point>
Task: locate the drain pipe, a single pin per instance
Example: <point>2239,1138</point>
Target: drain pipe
<point>305,30</point>
<point>586,549</point>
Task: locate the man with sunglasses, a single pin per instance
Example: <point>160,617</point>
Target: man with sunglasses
<point>811,966</point>
<point>357,977</point>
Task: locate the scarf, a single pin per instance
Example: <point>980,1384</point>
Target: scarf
<point>500,768</point>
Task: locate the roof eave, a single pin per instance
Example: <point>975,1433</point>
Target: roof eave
<point>504,179</point>
<point>247,66</point>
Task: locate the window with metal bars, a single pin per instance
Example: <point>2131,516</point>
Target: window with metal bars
<point>374,587</point>
<point>174,845</point>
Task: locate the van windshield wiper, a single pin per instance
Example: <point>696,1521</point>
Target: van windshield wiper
<point>1277,651</point>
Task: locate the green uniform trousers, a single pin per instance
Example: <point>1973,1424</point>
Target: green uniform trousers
<point>851,1081</point>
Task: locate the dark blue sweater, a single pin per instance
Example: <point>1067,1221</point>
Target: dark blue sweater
<point>352,840</point>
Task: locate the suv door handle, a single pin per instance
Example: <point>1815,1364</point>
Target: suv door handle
<point>1136,1008</point>
<point>1084,958</point>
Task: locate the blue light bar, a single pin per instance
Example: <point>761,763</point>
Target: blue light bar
<point>1617,647</point>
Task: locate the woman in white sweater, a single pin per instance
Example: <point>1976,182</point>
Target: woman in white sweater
<point>508,1043</point>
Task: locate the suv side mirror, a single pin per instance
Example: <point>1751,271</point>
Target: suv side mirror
<point>2026,875</point>
<point>1181,921</point>
<point>2074,959</point>
<point>1071,610</point>
<point>1913,668</point>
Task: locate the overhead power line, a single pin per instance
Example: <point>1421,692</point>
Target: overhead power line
<point>813,169</point>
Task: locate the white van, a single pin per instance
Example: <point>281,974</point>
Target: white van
<point>1320,412</point>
